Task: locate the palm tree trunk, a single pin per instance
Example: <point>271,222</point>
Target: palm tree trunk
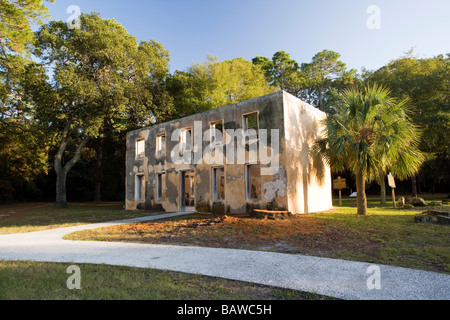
<point>382,183</point>
<point>414,186</point>
<point>361,200</point>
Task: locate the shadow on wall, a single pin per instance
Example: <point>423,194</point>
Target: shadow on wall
<point>310,162</point>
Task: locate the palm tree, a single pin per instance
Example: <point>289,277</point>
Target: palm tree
<point>370,134</point>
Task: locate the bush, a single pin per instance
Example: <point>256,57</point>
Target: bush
<point>6,191</point>
<point>218,208</point>
<point>203,207</point>
<point>249,207</point>
<point>273,206</point>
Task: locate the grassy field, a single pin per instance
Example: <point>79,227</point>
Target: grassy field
<point>31,217</point>
<point>47,281</point>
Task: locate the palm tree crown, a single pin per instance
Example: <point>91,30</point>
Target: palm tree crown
<point>370,134</point>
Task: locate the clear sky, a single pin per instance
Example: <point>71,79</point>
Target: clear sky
<point>192,29</point>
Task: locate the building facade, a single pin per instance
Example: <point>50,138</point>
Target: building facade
<point>252,154</point>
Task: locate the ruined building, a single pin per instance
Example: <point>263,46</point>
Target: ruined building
<point>252,154</point>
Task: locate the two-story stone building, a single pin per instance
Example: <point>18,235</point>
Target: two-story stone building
<point>256,153</point>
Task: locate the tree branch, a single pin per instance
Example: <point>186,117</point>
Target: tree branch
<point>62,146</point>
<point>77,155</point>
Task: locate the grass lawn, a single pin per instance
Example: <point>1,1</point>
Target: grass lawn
<point>47,281</point>
<point>31,217</point>
<point>385,235</point>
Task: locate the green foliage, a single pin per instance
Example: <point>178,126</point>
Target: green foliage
<point>318,82</point>
<point>426,83</point>
<point>22,150</point>
<point>281,72</point>
<point>100,74</point>
<point>16,16</point>
<point>101,80</point>
<point>23,155</point>
<point>215,84</point>
<point>370,131</point>
<point>325,76</point>
<point>23,146</point>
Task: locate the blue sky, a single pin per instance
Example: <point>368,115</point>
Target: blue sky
<point>192,29</point>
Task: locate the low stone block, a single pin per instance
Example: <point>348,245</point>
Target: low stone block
<point>418,202</point>
<point>218,208</point>
<point>443,219</point>
<point>273,215</point>
<point>436,213</point>
<point>423,218</point>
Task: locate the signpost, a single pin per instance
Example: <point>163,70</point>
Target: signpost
<point>339,184</point>
<point>391,182</point>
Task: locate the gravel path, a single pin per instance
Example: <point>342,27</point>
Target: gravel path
<point>331,277</point>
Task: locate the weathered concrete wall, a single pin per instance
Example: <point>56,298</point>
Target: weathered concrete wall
<point>270,110</point>
<point>309,177</point>
<point>301,184</point>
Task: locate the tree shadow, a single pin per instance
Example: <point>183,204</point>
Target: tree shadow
<point>311,163</point>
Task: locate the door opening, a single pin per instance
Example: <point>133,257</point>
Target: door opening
<point>187,191</point>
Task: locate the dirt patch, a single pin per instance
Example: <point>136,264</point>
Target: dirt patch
<point>302,234</point>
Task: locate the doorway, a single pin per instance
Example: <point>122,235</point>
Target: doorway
<point>187,191</point>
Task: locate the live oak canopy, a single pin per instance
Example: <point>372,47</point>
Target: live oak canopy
<point>93,77</point>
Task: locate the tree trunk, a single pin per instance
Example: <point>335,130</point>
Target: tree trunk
<point>61,195</point>
<point>382,183</point>
<point>98,174</point>
<point>419,187</point>
<point>361,200</point>
<point>61,171</point>
<point>414,186</point>
<point>448,181</point>
<point>321,94</point>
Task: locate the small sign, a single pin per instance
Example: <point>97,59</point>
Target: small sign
<point>391,180</point>
<point>353,195</point>
<point>339,184</point>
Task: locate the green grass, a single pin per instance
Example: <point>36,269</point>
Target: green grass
<point>396,239</point>
<point>47,281</point>
<point>49,217</point>
<point>401,241</point>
